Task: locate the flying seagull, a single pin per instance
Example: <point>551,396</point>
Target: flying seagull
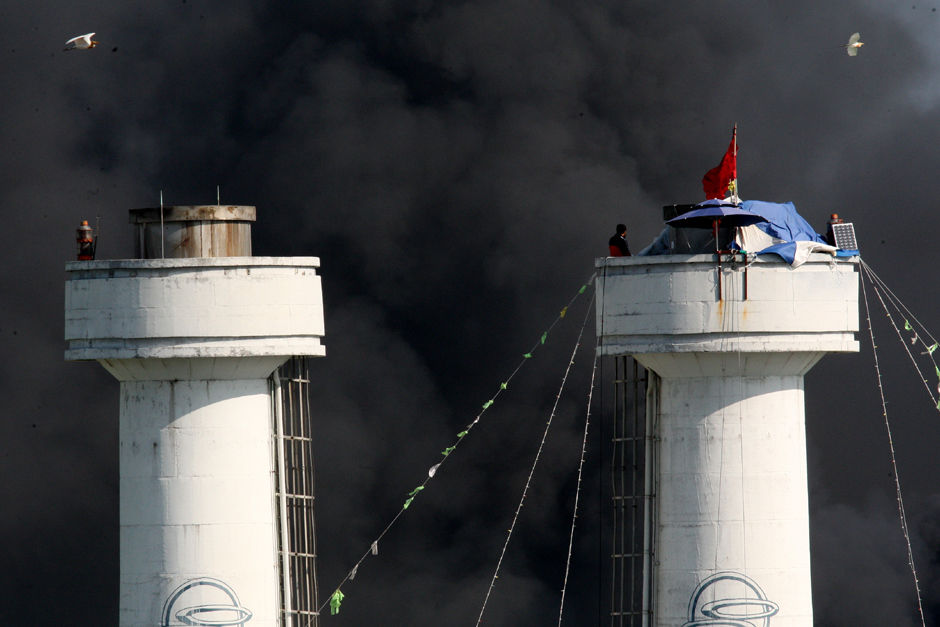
<point>853,45</point>
<point>82,42</point>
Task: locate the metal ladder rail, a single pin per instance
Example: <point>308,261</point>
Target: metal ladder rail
<point>298,498</point>
<point>627,494</point>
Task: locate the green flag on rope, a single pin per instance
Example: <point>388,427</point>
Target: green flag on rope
<point>412,495</point>
<point>907,326</point>
<point>335,601</point>
<point>931,349</point>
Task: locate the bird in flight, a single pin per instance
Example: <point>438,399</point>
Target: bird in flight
<point>854,44</point>
<point>82,42</point>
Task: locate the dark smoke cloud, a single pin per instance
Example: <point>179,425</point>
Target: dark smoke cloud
<point>457,166</point>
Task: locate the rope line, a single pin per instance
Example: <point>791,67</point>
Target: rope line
<point>879,289</point>
<point>538,454</point>
<point>336,598</point>
<point>894,466</point>
<point>577,493</point>
<point>895,299</point>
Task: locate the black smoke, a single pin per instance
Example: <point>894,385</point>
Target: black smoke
<point>456,166</point>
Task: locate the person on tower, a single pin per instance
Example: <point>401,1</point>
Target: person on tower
<point>618,243</point>
<point>830,235</point>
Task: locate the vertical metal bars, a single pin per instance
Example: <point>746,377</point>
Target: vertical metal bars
<point>629,498</point>
<point>295,495</point>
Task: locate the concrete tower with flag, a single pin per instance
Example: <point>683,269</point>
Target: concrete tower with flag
<point>193,329</point>
<point>725,518</point>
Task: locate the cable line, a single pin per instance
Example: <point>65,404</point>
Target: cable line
<point>335,600</point>
<point>881,292</point>
<point>894,465</point>
<point>577,493</point>
<point>525,489</point>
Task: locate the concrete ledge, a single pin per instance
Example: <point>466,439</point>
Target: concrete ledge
<point>193,308</point>
<point>742,365</point>
<point>165,348</point>
<point>684,303</point>
<point>202,369</point>
<point>734,343</point>
<point>74,268</point>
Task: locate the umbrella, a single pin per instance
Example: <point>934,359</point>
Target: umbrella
<point>711,214</point>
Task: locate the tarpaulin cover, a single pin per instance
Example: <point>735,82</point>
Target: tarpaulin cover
<point>797,253</point>
<point>783,222</point>
<point>784,233</point>
<point>791,237</point>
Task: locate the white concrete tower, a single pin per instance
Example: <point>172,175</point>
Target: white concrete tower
<point>728,526</point>
<point>193,338</point>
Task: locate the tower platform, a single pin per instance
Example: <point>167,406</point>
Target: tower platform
<point>214,310</point>
<point>671,304</point>
<point>727,531</point>
<point>193,341</point>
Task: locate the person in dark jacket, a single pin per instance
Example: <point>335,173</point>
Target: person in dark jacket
<point>618,243</point>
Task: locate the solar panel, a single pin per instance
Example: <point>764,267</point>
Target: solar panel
<point>844,236</point>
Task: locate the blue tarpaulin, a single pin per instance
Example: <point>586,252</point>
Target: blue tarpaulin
<point>783,232</point>
<point>783,222</point>
<point>787,250</point>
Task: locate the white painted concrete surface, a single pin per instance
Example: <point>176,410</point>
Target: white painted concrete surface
<point>193,342</point>
<point>196,481</point>
<point>730,516</point>
<point>670,303</point>
<point>731,490</point>
<point>202,307</point>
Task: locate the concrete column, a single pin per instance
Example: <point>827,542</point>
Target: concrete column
<point>196,470</point>
<point>193,342</point>
<point>730,519</point>
<point>731,494</point>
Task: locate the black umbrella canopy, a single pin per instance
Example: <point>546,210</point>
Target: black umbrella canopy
<point>712,213</point>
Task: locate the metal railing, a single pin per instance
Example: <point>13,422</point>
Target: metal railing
<point>630,497</point>
<point>295,495</point>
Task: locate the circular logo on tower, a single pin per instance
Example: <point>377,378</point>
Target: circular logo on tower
<point>729,599</point>
<point>204,602</point>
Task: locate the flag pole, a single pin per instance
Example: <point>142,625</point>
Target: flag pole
<point>734,134</point>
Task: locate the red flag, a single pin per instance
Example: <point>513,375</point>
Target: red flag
<point>721,181</point>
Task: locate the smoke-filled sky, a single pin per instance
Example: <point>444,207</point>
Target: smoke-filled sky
<point>457,166</point>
